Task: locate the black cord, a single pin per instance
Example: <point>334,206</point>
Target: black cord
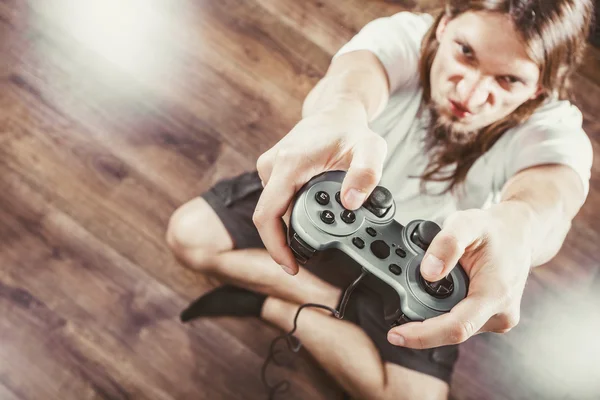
<point>283,386</point>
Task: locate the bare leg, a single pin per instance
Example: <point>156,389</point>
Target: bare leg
<point>340,346</point>
<point>208,250</point>
<point>350,356</point>
<point>262,274</point>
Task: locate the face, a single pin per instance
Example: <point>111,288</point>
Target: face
<point>481,72</point>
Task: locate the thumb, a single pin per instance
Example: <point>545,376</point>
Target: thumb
<point>364,172</point>
<point>448,246</point>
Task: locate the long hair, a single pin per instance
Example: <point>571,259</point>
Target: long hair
<point>554,33</point>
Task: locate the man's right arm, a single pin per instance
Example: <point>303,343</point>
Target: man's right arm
<point>357,77</point>
<point>333,134</point>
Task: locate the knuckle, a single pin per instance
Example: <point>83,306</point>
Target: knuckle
<point>259,217</point>
<point>506,321</point>
<point>286,154</point>
<point>461,331</point>
<point>262,163</point>
<point>510,320</point>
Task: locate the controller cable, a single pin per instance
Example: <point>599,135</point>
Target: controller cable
<point>294,343</point>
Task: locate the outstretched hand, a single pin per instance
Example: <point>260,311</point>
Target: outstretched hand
<point>336,139</point>
<point>494,250</point>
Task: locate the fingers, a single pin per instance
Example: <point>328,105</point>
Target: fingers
<point>264,165</point>
<point>461,230</point>
<point>501,323</point>
<point>271,207</point>
<point>465,319</point>
<point>281,178</point>
<point>364,172</point>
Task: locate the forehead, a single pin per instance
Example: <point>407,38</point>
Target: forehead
<point>494,39</point>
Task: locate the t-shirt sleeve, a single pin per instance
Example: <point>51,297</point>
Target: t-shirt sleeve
<point>553,136</point>
<point>396,41</point>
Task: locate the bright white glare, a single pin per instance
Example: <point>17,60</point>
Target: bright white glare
<point>569,351</point>
<point>126,33</point>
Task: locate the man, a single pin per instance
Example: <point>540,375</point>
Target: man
<point>464,118</point>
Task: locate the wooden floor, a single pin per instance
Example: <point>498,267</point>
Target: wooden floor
<point>115,113</point>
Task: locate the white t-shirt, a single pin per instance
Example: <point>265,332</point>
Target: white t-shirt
<point>553,134</point>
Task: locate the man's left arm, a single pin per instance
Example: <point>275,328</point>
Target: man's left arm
<point>551,196</point>
<point>497,248</point>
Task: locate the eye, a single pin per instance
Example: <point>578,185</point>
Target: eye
<point>509,79</point>
<point>465,50</point>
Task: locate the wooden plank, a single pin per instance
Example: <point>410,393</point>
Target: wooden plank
<point>330,24</point>
<point>115,312</point>
<point>206,82</point>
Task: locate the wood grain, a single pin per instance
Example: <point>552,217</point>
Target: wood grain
<point>112,114</point>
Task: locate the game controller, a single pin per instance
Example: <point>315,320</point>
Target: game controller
<point>381,246</point>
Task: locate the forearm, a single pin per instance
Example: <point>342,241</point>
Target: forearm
<point>542,202</point>
<point>356,82</point>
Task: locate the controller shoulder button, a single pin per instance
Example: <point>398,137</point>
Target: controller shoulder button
<point>302,251</point>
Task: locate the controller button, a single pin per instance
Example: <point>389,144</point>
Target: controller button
<point>358,242</point>
<point>302,251</point>
<point>403,320</point>
<point>380,201</point>
<point>322,198</point>
<point>328,217</point>
<point>338,199</point>
<point>371,231</point>
<point>395,269</point>
<point>348,216</point>
<point>400,252</point>
<point>380,249</point>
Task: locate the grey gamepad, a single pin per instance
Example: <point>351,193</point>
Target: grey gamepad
<point>382,247</point>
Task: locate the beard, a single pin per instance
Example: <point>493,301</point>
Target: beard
<point>447,129</point>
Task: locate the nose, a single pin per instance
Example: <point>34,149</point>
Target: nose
<point>473,91</point>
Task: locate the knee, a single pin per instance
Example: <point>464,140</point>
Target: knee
<point>195,233</point>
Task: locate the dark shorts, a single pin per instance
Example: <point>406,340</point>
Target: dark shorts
<point>234,201</point>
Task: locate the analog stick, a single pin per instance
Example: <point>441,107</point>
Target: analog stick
<point>440,289</point>
<point>422,236</point>
<point>424,233</point>
<point>380,201</point>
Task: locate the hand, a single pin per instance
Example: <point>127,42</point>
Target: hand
<point>337,139</point>
<point>494,249</point>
